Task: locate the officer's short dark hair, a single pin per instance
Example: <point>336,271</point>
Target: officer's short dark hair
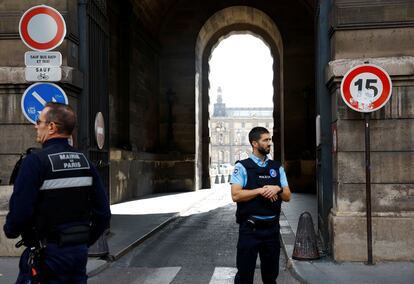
<point>63,116</point>
<point>255,133</point>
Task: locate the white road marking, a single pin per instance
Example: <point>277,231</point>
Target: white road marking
<point>160,275</point>
<point>223,275</point>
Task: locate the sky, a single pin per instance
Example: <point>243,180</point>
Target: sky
<point>242,66</point>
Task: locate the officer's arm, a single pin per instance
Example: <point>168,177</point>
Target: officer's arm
<point>285,194</point>
<point>23,198</point>
<point>238,194</point>
<point>100,211</point>
<point>274,192</point>
<point>238,180</point>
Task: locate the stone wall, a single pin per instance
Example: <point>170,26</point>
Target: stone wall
<point>376,32</point>
<point>143,158</point>
<point>134,174</point>
<point>392,174</point>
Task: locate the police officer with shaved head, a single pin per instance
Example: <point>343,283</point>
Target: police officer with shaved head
<point>258,185</point>
<point>59,206</point>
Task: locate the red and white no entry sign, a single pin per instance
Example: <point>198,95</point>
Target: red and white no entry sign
<point>366,88</point>
<point>42,28</point>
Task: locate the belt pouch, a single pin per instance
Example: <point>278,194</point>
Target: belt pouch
<point>74,235</point>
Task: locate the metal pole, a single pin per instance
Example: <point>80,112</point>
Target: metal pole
<point>368,187</point>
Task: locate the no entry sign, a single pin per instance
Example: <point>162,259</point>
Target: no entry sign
<point>42,28</point>
<point>366,88</point>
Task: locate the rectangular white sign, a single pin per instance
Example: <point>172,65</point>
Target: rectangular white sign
<point>44,73</point>
<point>36,58</point>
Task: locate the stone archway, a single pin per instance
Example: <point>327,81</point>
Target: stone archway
<point>237,19</point>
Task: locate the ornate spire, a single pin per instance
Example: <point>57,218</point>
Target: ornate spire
<point>219,95</point>
<point>219,106</point>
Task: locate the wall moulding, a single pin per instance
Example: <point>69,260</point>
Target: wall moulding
<point>15,75</point>
<point>366,14</point>
<point>395,66</point>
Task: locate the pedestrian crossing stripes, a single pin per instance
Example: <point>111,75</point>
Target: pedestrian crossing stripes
<point>164,275</point>
<point>136,275</point>
<point>223,275</point>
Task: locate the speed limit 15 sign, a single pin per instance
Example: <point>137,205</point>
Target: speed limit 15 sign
<point>366,88</point>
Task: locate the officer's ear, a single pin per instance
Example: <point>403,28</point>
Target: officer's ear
<point>255,143</point>
<point>53,127</point>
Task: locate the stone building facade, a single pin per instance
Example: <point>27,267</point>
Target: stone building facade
<point>229,131</point>
<point>144,65</point>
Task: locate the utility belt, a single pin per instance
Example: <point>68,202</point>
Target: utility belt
<point>70,236</point>
<point>259,223</point>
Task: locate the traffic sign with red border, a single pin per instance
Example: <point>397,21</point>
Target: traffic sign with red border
<point>42,28</point>
<point>366,88</point>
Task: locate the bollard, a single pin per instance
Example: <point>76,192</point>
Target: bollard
<point>228,179</point>
<point>222,179</point>
<point>306,245</point>
<point>216,180</point>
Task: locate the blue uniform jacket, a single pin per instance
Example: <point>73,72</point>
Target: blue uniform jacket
<point>25,194</point>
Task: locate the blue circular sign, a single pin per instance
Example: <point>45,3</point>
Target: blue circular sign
<point>37,96</point>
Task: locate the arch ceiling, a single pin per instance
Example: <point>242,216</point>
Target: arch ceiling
<point>238,15</point>
<point>153,12</point>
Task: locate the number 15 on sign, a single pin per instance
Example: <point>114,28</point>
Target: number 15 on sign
<point>366,88</point>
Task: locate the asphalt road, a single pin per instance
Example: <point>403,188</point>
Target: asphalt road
<point>197,248</point>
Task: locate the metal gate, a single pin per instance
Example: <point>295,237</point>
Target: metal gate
<point>98,82</point>
<point>94,98</point>
<point>94,58</point>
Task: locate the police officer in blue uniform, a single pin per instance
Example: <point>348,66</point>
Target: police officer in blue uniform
<point>58,206</point>
<point>258,185</point>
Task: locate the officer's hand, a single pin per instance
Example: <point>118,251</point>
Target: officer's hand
<point>270,192</point>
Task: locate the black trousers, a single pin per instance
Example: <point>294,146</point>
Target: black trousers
<point>262,241</point>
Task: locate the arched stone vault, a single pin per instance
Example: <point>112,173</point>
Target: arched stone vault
<point>231,20</point>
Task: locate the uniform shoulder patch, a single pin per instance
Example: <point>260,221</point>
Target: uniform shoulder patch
<point>273,173</point>
<point>68,161</point>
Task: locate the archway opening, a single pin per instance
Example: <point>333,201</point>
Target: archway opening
<point>237,19</point>
<point>293,94</point>
<point>240,96</point>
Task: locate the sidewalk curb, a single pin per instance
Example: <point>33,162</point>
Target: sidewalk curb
<point>143,238</point>
<point>298,268</point>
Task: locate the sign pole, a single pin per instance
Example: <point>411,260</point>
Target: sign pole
<point>366,88</point>
<point>368,186</point>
